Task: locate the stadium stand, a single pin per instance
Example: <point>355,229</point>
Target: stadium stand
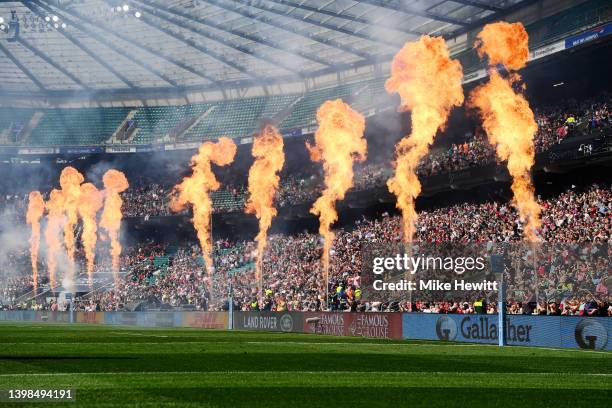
<point>239,118</point>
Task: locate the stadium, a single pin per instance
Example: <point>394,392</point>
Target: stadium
<point>305,203</point>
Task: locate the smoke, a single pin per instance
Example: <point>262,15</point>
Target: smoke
<point>263,183</point>
<point>115,182</point>
<point>14,242</point>
<point>339,142</point>
<point>90,202</point>
<point>429,84</point>
<point>507,117</point>
<point>36,209</point>
<point>195,190</point>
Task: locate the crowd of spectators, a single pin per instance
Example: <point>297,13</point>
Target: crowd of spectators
<point>566,278</point>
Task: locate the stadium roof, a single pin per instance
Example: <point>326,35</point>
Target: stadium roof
<point>75,46</point>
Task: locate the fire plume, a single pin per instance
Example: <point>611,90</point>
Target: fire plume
<point>55,221</point>
<point>195,190</point>
<point>263,183</point>
<point>70,181</point>
<point>90,202</point>
<point>339,142</point>
<point>429,84</point>
<point>115,183</point>
<point>504,43</point>
<point>507,117</point>
<point>36,209</point>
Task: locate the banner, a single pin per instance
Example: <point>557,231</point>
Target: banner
<point>121,318</point>
<point>521,330</point>
<point>269,321</point>
<point>589,35</point>
<point>369,325</point>
<point>90,317</point>
<point>38,150</point>
<point>205,320</point>
<point>81,150</point>
<point>121,149</point>
<point>592,333</point>
<point>546,50</point>
<point>35,316</point>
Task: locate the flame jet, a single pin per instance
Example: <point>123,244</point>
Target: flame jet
<point>263,183</point>
<point>339,142</point>
<point>55,222</point>
<point>429,84</point>
<point>115,183</point>
<point>90,202</point>
<point>70,181</point>
<point>36,209</point>
<point>507,117</point>
<point>196,188</point>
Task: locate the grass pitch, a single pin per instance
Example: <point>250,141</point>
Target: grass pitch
<point>118,367</point>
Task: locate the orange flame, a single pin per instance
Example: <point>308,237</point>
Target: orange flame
<point>507,117</point>
<point>504,43</point>
<point>429,84</point>
<point>91,201</point>
<point>195,190</point>
<point>114,184</point>
<point>36,209</point>
<point>263,182</point>
<point>55,221</point>
<point>339,142</point>
<point>70,181</point>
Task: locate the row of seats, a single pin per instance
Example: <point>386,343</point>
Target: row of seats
<point>234,118</point>
<point>224,200</point>
<point>238,118</point>
<point>83,126</point>
<point>304,112</point>
<point>11,118</point>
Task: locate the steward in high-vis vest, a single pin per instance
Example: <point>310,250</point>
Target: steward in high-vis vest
<point>479,306</point>
<point>357,293</point>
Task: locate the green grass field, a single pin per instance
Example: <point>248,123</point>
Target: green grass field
<point>118,367</point>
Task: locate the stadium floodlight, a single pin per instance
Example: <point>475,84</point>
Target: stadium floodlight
<point>56,25</point>
<point>55,18</point>
<point>63,25</point>
<point>2,27</point>
<point>47,19</point>
<point>137,14</point>
<point>1,20</point>
<point>126,7</point>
